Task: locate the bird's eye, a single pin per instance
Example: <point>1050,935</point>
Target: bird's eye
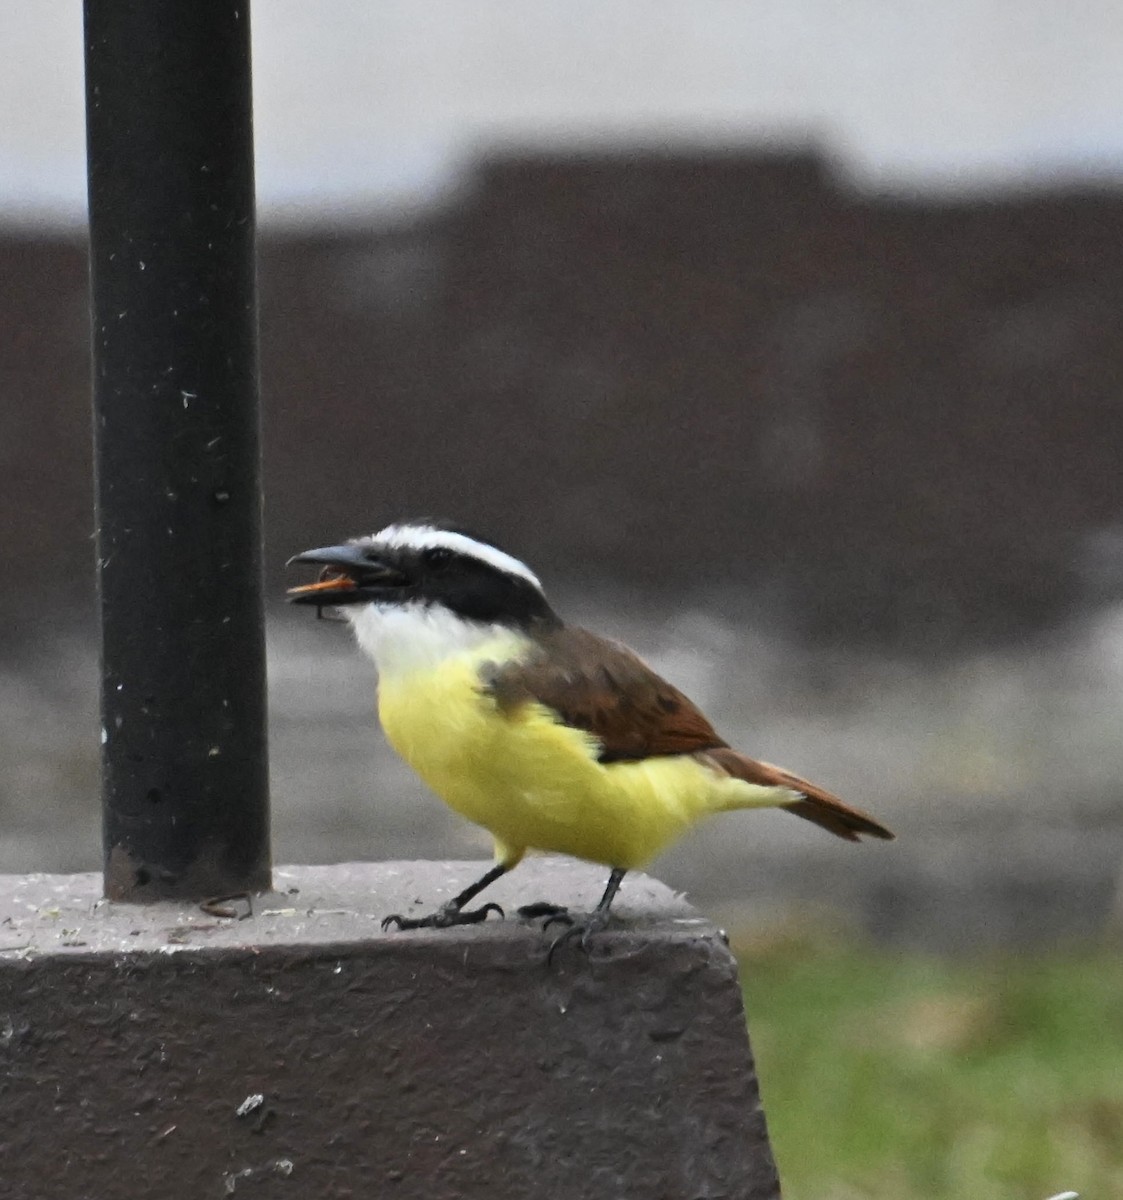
<point>437,556</point>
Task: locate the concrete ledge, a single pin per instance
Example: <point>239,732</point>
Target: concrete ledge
<point>164,1052</point>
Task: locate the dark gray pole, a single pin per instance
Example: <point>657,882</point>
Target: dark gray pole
<point>170,145</point>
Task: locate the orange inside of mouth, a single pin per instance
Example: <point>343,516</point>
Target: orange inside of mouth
<point>330,583</point>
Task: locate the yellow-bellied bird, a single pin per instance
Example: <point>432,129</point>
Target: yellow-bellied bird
<point>548,736</point>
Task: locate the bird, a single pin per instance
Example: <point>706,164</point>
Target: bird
<point>550,737</point>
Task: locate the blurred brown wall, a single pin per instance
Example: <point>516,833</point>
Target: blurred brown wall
<point>899,418</point>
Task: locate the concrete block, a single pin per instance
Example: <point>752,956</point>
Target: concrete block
<point>168,1052</point>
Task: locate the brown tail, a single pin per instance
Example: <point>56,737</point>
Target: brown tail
<point>818,806</point>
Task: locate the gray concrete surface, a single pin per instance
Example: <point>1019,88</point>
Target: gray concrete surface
<point>300,1051</point>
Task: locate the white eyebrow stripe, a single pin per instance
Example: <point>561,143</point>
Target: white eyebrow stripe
<point>425,537</point>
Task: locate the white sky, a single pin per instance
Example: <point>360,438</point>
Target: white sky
<point>370,103</point>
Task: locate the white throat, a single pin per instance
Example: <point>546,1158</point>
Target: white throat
<point>403,638</point>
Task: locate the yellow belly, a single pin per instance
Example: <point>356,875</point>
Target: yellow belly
<point>534,783</point>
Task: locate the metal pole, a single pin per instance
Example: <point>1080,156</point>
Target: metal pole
<point>170,155</point>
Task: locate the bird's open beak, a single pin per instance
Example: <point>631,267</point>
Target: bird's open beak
<point>349,576</point>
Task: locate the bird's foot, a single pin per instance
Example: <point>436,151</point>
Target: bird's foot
<point>445,916</point>
<point>543,908</point>
<point>579,930</point>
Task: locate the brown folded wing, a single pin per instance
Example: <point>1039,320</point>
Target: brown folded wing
<point>603,688</point>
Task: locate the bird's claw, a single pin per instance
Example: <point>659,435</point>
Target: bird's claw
<point>580,931</point>
<point>443,918</point>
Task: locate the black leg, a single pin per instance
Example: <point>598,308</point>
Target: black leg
<point>594,922</point>
<point>610,890</point>
<point>452,912</point>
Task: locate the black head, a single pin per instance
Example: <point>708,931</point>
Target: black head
<point>427,562</point>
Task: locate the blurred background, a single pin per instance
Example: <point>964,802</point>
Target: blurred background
<point>782,339</point>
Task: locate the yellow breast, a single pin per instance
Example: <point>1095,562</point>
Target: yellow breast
<point>531,781</point>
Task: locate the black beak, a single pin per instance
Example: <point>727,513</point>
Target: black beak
<point>350,576</point>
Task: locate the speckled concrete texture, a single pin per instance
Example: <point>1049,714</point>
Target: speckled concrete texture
<point>300,1051</point>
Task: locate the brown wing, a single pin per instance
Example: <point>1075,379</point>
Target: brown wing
<point>606,690</point>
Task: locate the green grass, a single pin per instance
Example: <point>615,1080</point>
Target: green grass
<point>890,1077</point>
